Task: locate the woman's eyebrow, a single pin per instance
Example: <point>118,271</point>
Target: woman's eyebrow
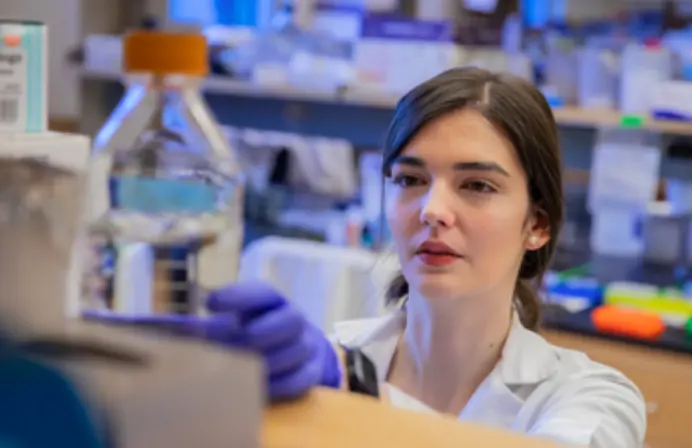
<point>480,166</point>
<point>461,166</point>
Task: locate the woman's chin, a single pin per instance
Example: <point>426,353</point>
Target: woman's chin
<point>438,284</point>
<point>439,287</point>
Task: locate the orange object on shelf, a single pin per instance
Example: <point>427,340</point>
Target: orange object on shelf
<point>165,53</point>
<point>627,322</point>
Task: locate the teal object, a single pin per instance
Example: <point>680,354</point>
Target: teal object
<point>34,39</point>
<point>40,408</point>
<point>151,195</point>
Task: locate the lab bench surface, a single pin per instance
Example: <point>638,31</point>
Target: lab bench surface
<point>333,419</point>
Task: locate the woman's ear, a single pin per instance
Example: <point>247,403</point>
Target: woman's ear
<point>537,229</point>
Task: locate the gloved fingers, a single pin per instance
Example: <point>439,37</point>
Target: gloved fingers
<point>244,298</point>
<point>295,383</point>
<point>275,328</point>
<point>288,358</point>
<point>331,366</point>
<point>223,325</point>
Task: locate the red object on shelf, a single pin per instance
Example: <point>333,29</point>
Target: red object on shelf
<point>652,43</point>
<point>627,322</point>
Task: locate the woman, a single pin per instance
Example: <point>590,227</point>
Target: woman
<point>475,206</point>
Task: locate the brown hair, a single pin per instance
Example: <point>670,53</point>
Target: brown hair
<point>521,112</point>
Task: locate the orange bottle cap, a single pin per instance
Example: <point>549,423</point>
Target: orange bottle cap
<point>165,53</point>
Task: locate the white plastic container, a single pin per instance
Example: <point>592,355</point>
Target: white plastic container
<point>616,233</point>
<point>382,56</point>
<point>598,78</point>
<point>642,68</point>
<point>664,232</point>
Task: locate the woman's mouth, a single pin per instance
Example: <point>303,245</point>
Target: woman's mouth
<point>436,254</point>
<point>437,260</point>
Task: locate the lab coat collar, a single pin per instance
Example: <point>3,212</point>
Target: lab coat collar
<point>377,338</point>
<point>527,358</point>
<point>526,361</point>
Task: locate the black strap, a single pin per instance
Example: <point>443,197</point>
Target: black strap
<point>361,374</point>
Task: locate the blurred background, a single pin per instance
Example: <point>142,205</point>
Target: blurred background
<point>304,90</point>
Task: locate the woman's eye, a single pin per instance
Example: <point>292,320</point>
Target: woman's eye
<point>406,180</point>
<point>479,186</point>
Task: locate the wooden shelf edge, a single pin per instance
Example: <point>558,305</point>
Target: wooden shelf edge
<point>569,116</point>
<point>593,118</point>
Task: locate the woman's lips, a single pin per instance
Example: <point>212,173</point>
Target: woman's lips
<point>436,253</point>
<point>436,260</point>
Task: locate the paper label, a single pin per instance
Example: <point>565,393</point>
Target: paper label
<point>13,88</point>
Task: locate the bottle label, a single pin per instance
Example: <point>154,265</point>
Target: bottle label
<point>13,87</point>
<point>149,195</point>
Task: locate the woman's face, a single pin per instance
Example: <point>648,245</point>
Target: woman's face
<point>459,210</point>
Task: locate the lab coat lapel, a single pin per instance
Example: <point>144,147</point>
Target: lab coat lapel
<point>377,338</point>
<point>527,360</point>
<point>492,404</point>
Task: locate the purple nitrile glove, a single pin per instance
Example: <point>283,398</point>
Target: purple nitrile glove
<point>297,354</point>
<point>254,317</point>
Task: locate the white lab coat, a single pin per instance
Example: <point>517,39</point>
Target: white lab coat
<point>536,388</point>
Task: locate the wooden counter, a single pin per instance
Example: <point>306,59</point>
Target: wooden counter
<point>664,377</point>
<point>332,419</point>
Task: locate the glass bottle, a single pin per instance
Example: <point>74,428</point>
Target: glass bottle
<point>166,189</point>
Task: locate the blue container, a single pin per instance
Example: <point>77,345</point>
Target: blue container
<point>579,293</point>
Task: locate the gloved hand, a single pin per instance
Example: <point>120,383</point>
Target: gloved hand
<point>254,317</point>
<point>297,354</point>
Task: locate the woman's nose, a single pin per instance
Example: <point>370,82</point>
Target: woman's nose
<point>436,209</point>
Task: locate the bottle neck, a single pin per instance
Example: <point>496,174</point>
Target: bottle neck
<point>170,82</point>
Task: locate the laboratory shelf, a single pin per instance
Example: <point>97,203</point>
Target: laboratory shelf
<point>578,117</point>
<point>228,86</point>
<point>568,116</point>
